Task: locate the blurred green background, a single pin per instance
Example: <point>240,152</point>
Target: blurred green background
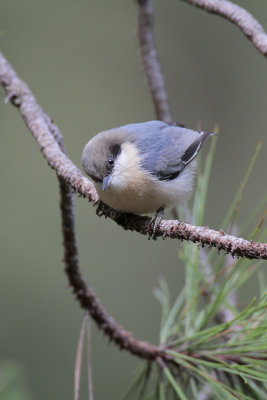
<point>81,60</point>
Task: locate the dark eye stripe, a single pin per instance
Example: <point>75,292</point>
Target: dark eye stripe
<point>115,150</point>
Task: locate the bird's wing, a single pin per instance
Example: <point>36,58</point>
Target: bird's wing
<point>166,149</point>
<point>193,150</point>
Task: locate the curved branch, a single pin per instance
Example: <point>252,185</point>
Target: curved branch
<point>84,294</point>
<point>239,17</point>
<point>50,141</point>
<point>51,144</point>
<point>150,60</point>
<point>38,123</point>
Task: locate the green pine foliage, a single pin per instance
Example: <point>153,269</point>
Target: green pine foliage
<point>218,346</point>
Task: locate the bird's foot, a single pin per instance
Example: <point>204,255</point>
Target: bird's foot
<point>154,224</point>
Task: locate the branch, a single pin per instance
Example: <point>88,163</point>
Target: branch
<point>40,126</point>
<point>45,133</point>
<point>152,68</point>
<point>239,17</point>
<point>150,60</point>
<point>84,293</point>
<point>50,142</point>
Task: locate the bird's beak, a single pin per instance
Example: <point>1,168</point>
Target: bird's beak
<point>106,182</point>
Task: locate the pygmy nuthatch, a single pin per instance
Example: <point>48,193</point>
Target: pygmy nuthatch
<point>145,167</point>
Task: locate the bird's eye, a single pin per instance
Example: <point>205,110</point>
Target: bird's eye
<point>110,162</point>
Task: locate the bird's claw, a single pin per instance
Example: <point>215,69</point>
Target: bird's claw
<point>155,222</point>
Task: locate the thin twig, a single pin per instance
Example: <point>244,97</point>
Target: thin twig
<point>155,78</point>
<point>89,359</point>
<point>239,17</point>
<point>36,120</point>
<point>152,68</point>
<point>79,359</point>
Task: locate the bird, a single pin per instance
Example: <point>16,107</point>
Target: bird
<point>144,168</point>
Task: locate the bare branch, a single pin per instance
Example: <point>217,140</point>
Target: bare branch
<point>50,142</point>
<point>85,295</point>
<point>150,60</point>
<point>180,230</point>
<point>87,299</point>
<point>152,68</point>
<point>239,17</point>
<point>37,121</point>
<point>45,133</point>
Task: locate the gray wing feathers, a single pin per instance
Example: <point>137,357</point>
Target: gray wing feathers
<point>165,150</point>
<point>193,150</point>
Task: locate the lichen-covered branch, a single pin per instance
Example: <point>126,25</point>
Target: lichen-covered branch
<point>50,141</point>
<point>239,17</point>
<point>154,76</point>
<point>38,123</point>
<point>86,296</point>
<point>198,234</point>
<point>70,177</point>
